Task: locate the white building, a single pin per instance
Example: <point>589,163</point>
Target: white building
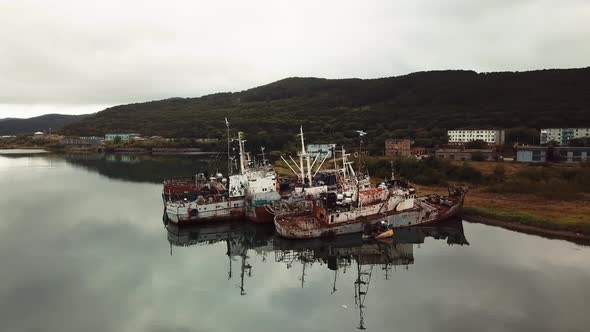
<point>490,136</point>
<point>563,135</point>
<point>39,134</point>
<point>325,150</point>
<point>123,137</point>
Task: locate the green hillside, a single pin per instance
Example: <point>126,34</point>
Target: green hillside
<point>12,126</point>
<point>420,105</point>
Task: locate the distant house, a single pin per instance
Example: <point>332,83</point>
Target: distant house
<point>325,150</point>
<point>207,140</point>
<point>123,137</point>
<point>38,134</point>
<point>541,154</point>
<point>490,136</point>
<point>419,152</point>
<point>397,148</point>
<point>465,154</point>
<point>54,137</point>
<point>563,135</point>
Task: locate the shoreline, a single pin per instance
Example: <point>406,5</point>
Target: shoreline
<point>17,151</point>
<point>135,151</point>
<point>527,213</point>
<point>517,212</point>
<point>513,225</point>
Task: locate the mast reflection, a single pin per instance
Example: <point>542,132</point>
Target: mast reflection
<point>340,254</point>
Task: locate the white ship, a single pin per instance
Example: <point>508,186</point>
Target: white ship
<point>244,195</point>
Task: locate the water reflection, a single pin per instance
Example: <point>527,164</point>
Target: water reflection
<point>98,259</point>
<point>349,253</point>
<point>146,168</point>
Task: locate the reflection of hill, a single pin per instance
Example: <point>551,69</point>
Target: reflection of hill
<point>145,168</point>
<point>244,234</point>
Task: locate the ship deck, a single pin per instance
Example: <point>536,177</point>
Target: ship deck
<point>308,222</point>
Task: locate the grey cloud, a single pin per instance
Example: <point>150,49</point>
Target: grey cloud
<point>108,52</point>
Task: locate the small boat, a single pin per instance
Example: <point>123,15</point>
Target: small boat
<point>383,235</point>
<point>378,231</point>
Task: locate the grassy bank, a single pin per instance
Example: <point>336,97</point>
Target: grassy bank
<point>545,196</point>
<point>529,219</point>
<point>27,142</point>
<point>571,215</point>
<point>54,145</point>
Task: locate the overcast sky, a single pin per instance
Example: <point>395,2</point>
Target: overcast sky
<point>73,56</point>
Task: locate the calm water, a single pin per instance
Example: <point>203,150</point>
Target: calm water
<point>83,248</point>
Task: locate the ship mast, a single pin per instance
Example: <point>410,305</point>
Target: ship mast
<point>303,273</point>
<point>347,165</point>
<point>263,158</point>
<point>334,156</point>
<point>245,266</point>
<point>228,242</point>
<point>229,170</point>
<point>361,287</point>
<point>334,284</point>
<point>361,134</point>
<point>306,156</point>
<point>298,169</point>
<point>241,144</point>
<point>344,166</point>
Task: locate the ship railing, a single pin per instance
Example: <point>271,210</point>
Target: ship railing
<point>300,207</point>
<point>290,256</point>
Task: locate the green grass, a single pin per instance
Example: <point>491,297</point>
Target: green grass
<point>527,219</point>
<point>553,182</point>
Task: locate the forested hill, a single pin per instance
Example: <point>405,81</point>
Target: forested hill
<point>13,126</point>
<point>421,105</point>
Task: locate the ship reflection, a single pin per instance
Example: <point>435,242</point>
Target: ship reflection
<point>345,253</point>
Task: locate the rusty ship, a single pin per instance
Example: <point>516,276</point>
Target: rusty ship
<point>248,194</point>
<point>353,205</point>
<point>396,204</point>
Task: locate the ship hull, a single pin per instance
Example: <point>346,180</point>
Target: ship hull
<point>248,196</point>
<point>193,213</point>
<point>308,227</point>
<point>189,220</point>
<point>181,214</point>
<point>261,215</point>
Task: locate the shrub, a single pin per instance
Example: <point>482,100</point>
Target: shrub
<point>478,156</point>
<point>499,174</point>
<point>548,182</point>
<point>428,172</point>
<point>476,144</point>
<point>469,174</point>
